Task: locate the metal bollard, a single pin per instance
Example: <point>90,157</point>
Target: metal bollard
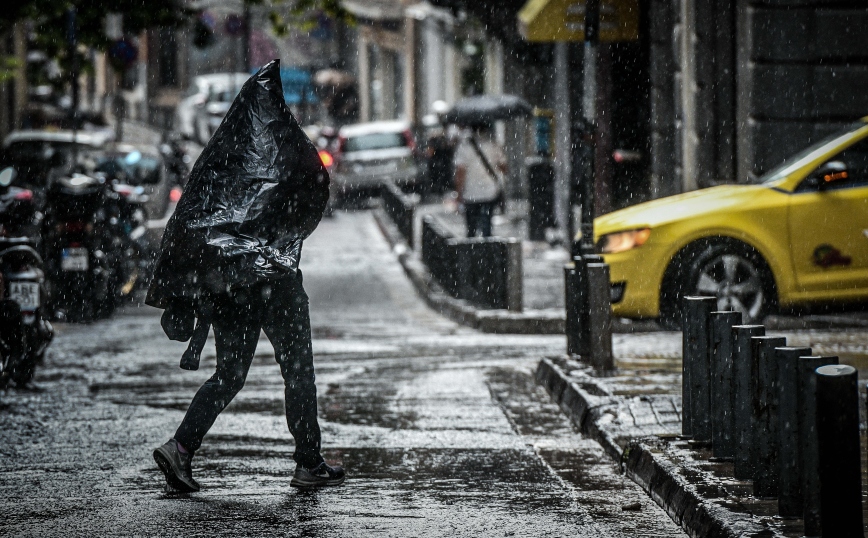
<point>586,338</point>
<point>765,415</point>
<point>790,502</point>
<point>695,383</point>
<point>600,318</point>
<point>808,440</point>
<point>840,462</point>
<point>722,441</point>
<point>572,304</point>
<point>742,376</point>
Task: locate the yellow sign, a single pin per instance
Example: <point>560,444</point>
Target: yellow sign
<point>564,20</point>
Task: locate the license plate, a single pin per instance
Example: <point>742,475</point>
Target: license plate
<point>26,294</point>
<point>74,259</point>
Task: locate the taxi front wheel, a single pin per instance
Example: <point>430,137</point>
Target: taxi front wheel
<point>730,270</point>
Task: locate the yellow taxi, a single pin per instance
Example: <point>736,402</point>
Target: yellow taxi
<point>799,236</point>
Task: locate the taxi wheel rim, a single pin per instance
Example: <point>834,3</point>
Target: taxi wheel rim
<point>736,282</point>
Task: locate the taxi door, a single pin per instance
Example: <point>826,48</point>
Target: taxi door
<point>828,224</point>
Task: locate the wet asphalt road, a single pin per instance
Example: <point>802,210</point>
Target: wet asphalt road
<point>441,429</point>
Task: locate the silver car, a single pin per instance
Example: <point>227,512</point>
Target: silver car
<point>196,96</point>
<point>367,155</point>
<point>141,168</point>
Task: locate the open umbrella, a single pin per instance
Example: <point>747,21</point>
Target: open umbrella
<point>487,108</point>
<point>333,77</point>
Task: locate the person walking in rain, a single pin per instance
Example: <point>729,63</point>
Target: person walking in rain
<point>229,257</point>
<point>480,165</point>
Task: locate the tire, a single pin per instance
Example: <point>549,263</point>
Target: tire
<point>728,269</point>
<point>5,374</point>
<point>22,373</point>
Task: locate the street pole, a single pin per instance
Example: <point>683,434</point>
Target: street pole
<point>72,41</point>
<point>593,338</point>
<point>247,31</point>
<point>589,98</point>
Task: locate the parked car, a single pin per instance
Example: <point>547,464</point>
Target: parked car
<point>366,155</point>
<point>798,237</point>
<point>197,94</point>
<point>209,114</point>
<point>142,167</point>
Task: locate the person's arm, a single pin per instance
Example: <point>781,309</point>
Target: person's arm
<point>459,163</point>
<point>460,177</point>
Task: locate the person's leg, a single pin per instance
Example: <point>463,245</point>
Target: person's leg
<point>236,334</point>
<point>471,216</point>
<point>485,211</point>
<point>287,324</point>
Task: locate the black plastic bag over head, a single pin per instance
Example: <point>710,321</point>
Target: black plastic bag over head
<point>256,191</point>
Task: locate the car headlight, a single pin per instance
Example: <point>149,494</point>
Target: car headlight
<point>623,241</point>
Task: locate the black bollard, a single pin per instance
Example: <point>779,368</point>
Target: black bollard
<point>790,502</point>
<point>808,440</point>
<point>743,376</point>
<point>765,415</point>
<point>722,440</point>
<point>583,283</point>
<point>573,306</point>
<point>840,463</point>
<point>599,354</point>
<point>696,382</point>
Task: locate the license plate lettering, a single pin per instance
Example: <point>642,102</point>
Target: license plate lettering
<point>26,294</point>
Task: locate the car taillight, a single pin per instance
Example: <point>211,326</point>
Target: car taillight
<point>24,194</point>
<point>175,194</point>
<point>75,227</point>
<point>326,158</point>
<point>411,142</point>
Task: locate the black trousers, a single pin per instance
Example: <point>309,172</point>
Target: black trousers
<point>478,218</point>
<point>280,308</point>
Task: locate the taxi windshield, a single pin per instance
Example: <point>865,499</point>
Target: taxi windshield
<point>800,159</point>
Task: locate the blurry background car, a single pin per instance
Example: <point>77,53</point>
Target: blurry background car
<point>141,167</point>
<point>197,94</point>
<point>210,114</point>
<point>798,238</point>
<point>40,156</point>
<point>366,155</point>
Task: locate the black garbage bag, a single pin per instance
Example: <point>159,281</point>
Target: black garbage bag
<point>257,190</point>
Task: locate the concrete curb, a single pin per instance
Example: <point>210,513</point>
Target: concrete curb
<point>589,406</point>
<point>666,483</point>
<point>586,404</point>
<point>488,321</point>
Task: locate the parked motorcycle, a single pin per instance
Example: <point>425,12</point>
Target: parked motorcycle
<point>177,160</point>
<point>24,332</point>
<point>81,248</point>
<point>129,218</point>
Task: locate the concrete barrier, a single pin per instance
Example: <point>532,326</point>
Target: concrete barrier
<point>401,208</point>
<point>483,271</point>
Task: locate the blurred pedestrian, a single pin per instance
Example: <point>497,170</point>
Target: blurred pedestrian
<point>229,257</point>
<point>480,166</point>
<point>439,150</point>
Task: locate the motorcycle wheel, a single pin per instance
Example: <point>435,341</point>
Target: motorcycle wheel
<point>4,366</point>
<point>22,373</point>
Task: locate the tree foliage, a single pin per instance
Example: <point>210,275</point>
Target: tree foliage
<point>48,20</point>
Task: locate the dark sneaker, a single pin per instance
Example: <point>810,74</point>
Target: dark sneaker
<point>176,466</point>
<point>322,475</point>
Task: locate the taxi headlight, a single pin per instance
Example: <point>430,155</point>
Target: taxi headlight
<point>623,241</point>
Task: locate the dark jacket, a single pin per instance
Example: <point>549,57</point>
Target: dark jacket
<point>257,190</point>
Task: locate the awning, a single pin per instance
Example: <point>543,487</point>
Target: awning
<point>564,20</point>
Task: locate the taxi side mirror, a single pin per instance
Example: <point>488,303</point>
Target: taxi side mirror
<point>829,173</point>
